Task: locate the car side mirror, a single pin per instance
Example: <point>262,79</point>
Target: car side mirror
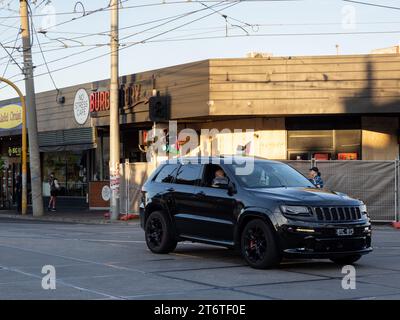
<point>231,188</point>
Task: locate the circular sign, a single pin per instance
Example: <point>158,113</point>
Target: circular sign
<point>81,106</point>
<point>106,193</point>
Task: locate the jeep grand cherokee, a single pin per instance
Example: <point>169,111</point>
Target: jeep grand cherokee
<point>269,212</point>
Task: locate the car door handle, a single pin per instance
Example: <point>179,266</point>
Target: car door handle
<point>170,189</point>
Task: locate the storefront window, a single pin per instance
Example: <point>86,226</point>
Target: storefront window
<point>70,168</point>
<point>102,171</point>
<point>324,144</point>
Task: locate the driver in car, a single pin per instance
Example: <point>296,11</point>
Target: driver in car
<point>220,179</point>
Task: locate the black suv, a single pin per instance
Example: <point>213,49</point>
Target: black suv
<point>266,209</point>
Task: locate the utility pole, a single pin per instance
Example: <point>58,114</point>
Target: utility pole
<point>114,113</point>
<point>36,181</point>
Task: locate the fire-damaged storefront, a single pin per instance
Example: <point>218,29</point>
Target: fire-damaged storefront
<point>298,108</point>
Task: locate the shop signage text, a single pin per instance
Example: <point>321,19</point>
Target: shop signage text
<point>100,101</point>
<point>130,95</point>
<point>10,117</point>
<point>14,152</point>
<point>81,106</point>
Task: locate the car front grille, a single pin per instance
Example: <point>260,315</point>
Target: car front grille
<point>337,213</point>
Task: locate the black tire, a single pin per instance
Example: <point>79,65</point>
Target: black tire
<point>258,245</point>
<point>346,259</point>
<point>159,233</point>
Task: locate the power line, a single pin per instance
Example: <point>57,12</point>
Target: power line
<point>12,52</point>
<point>176,18</point>
<point>43,56</point>
<point>372,4</point>
<point>107,8</point>
<point>143,41</point>
<point>279,35</point>
<point>11,57</point>
<point>107,32</point>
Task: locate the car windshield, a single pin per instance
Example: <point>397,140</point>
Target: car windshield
<point>273,175</point>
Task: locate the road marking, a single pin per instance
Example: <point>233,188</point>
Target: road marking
<point>62,282</point>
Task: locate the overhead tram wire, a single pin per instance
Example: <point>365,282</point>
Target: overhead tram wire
<point>106,54</point>
<point>372,4</point>
<point>234,36</point>
<point>106,44</point>
<point>182,15</point>
<point>108,7</point>
<point>238,36</point>
<point>127,45</point>
<point>12,52</point>
<point>43,56</point>
<point>136,6</point>
<point>211,29</point>
<point>275,35</point>
<point>12,58</point>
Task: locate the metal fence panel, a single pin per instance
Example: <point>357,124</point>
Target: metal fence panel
<point>303,166</point>
<point>373,182</point>
<point>133,176</point>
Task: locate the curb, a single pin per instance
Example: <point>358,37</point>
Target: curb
<point>396,225</point>
<point>68,220</point>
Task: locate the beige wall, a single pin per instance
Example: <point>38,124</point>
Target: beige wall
<point>267,140</point>
<point>379,138</point>
<point>305,85</point>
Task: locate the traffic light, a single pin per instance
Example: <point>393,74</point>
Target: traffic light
<point>159,108</point>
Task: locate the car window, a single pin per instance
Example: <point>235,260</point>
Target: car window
<point>213,180</point>
<point>189,174</point>
<point>273,175</point>
<point>167,174</point>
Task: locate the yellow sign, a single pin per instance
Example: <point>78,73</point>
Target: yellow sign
<point>10,117</point>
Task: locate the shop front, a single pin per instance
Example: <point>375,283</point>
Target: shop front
<point>68,154</point>
<point>298,108</point>
<point>10,152</point>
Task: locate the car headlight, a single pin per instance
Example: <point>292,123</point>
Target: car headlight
<point>295,210</point>
<point>363,208</point>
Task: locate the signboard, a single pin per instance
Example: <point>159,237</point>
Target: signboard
<point>106,193</point>
<point>348,156</point>
<point>10,117</point>
<point>14,152</point>
<point>81,106</point>
<point>130,95</point>
<point>321,156</point>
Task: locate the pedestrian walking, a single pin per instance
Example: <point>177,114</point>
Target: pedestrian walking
<point>315,177</point>
<point>54,187</point>
<point>18,192</point>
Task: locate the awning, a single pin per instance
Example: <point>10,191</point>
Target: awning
<point>74,148</point>
<point>67,140</point>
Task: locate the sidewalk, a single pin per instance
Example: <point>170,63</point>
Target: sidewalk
<point>83,216</point>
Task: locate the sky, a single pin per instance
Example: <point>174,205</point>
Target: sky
<point>154,34</point>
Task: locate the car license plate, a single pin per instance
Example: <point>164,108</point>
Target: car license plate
<point>345,232</point>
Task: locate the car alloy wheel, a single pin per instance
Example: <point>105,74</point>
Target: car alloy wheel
<point>258,245</point>
<point>255,244</point>
<point>154,232</point>
<point>159,233</point>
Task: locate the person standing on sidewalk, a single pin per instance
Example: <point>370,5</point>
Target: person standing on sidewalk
<point>54,187</point>
<point>18,192</point>
<point>315,177</point>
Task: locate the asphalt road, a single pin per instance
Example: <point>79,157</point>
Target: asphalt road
<point>112,262</point>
